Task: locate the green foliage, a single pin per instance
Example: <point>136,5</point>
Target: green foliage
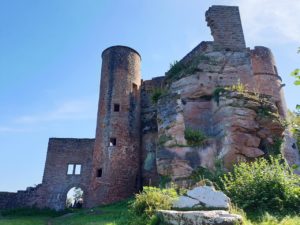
<point>164,180</point>
<point>296,74</point>
<point>217,92</point>
<point>239,87</point>
<point>294,121</point>
<point>201,174</point>
<point>267,185</point>
<point>152,199</point>
<point>194,137</point>
<point>179,69</point>
<point>118,214</point>
<point>32,212</point>
<point>263,218</point>
<point>275,148</point>
<point>163,139</point>
<point>157,93</point>
<point>264,111</point>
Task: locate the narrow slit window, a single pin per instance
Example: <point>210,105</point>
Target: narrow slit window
<point>70,169</point>
<point>275,69</point>
<point>134,89</point>
<point>77,169</point>
<point>116,108</point>
<point>112,142</point>
<point>99,172</point>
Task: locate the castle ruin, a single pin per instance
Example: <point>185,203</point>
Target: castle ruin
<point>232,94</point>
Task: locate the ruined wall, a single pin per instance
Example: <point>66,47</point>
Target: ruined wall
<point>117,147</point>
<point>27,198</point>
<point>149,130</point>
<point>52,193</point>
<point>56,180</point>
<point>226,27</point>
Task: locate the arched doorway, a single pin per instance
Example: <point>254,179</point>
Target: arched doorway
<point>74,198</point>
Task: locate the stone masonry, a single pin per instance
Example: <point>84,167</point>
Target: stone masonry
<point>233,95</point>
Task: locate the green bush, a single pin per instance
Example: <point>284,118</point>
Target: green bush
<point>157,93</point>
<point>266,185</point>
<point>152,199</point>
<point>194,137</point>
<point>275,148</point>
<point>216,94</point>
<point>163,139</point>
<point>175,70</point>
<point>204,175</point>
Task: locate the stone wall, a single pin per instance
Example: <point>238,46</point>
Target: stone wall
<point>149,131</point>
<point>27,198</point>
<point>56,181</point>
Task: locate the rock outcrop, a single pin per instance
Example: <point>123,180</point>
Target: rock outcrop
<point>202,198</point>
<point>214,94</point>
<point>214,217</point>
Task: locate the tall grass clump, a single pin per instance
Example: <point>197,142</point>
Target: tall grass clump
<point>147,202</point>
<point>194,137</point>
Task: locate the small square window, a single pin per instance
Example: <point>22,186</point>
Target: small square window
<point>77,169</point>
<point>112,142</point>
<point>116,107</point>
<point>99,172</point>
<point>70,169</point>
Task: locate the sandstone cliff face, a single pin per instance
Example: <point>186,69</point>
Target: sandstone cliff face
<point>239,123</point>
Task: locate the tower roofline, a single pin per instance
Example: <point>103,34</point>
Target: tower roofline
<point>121,46</point>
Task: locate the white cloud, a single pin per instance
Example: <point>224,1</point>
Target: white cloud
<point>7,129</point>
<point>271,20</point>
<point>70,110</point>
<point>276,21</point>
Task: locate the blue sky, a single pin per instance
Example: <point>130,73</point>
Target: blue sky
<point>50,60</point>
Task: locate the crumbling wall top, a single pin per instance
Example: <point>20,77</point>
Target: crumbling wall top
<point>226,27</point>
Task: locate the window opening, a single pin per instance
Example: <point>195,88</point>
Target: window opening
<point>112,142</point>
<point>275,69</point>
<point>99,172</point>
<point>116,107</point>
<point>134,89</point>
<point>70,169</point>
<point>77,169</point>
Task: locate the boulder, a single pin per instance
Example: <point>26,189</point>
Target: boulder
<point>203,197</point>
<point>214,217</point>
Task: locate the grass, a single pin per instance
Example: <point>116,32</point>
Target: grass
<point>115,214</point>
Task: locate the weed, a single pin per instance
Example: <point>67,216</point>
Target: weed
<point>157,93</point>
<point>194,137</point>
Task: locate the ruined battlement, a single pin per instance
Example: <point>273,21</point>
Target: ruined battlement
<point>263,61</point>
<point>226,27</point>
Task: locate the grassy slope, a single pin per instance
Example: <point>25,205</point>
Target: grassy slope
<point>115,214</point>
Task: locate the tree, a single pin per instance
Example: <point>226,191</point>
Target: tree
<point>294,120</point>
<point>296,74</point>
<point>294,117</point>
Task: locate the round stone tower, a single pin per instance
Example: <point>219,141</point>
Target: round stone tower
<point>116,155</point>
<point>267,80</point>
